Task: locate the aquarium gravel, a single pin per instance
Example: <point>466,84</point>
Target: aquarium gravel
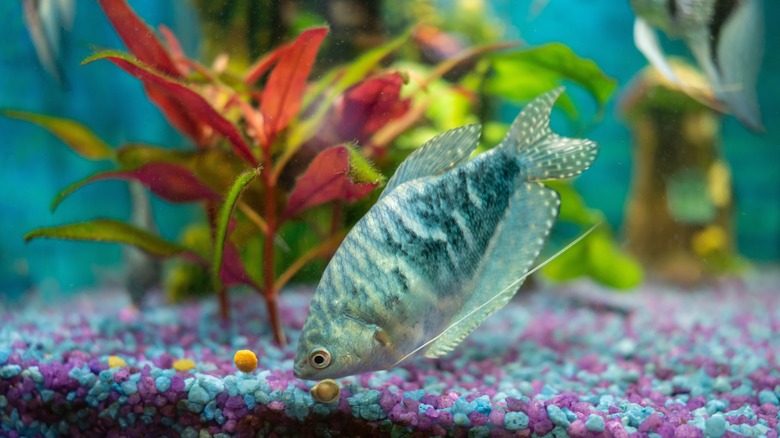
<point>572,360</point>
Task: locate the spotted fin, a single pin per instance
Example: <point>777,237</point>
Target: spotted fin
<point>513,248</point>
<point>436,156</point>
<point>543,154</point>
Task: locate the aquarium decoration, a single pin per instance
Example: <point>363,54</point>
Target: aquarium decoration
<point>681,183</point>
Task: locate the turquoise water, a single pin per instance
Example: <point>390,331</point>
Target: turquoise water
<point>34,166</point>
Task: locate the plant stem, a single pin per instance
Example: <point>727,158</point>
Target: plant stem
<point>269,290</point>
<point>224,304</point>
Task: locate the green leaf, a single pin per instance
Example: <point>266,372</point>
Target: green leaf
<point>135,155</point>
<point>596,257</point>
<point>223,220</point>
<point>573,208</point>
<point>520,76</point>
<point>609,266</point>
<point>77,136</point>
<point>108,230</point>
<point>362,171</point>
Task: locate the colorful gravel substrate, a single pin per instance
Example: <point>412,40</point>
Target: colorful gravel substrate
<point>572,361</point>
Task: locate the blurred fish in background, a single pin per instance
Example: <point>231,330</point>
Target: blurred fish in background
<point>46,20</point>
<point>725,36</point>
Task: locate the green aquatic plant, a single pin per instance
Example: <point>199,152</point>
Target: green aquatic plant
<point>274,152</point>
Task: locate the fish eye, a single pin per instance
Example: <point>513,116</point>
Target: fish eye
<point>319,358</point>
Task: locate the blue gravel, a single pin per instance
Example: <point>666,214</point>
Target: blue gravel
<point>657,362</point>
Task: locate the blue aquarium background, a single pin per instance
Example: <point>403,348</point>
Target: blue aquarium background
<point>35,166</point>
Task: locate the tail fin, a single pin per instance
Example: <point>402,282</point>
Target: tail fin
<point>739,51</point>
<point>544,154</point>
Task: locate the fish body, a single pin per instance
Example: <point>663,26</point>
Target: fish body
<point>443,247</point>
<point>725,36</point>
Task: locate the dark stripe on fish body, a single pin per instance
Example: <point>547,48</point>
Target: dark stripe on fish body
<point>723,10</point>
<point>494,180</point>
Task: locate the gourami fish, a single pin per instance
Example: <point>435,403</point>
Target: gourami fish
<point>725,36</point>
<point>447,244</point>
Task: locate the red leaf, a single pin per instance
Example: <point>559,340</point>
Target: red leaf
<point>183,102</point>
<point>284,90</point>
<point>171,182</point>
<point>138,36</point>
<point>233,271</point>
<point>177,53</point>
<point>369,106</point>
<point>258,69</point>
<point>327,178</point>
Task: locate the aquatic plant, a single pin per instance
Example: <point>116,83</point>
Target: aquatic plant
<point>270,146</point>
<point>244,135</point>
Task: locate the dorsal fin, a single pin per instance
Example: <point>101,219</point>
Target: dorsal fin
<point>436,156</point>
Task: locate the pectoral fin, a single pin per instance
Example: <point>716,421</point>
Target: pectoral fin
<point>646,41</point>
<point>441,153</point>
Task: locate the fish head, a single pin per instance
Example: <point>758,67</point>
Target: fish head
<point>335,344</point>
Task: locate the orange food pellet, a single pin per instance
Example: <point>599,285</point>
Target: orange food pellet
<point>183,365</point>
<point>245,360</point>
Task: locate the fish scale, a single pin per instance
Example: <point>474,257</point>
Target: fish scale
<point>448,243</point>
<point>428,251</point>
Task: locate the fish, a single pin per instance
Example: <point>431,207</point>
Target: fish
<point>726,37</point>
<point>45,20</point>
<point>447,243</point>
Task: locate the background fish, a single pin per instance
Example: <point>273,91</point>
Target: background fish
<point>441,249</point>
<point>45,20</point>
<point>725,36</point>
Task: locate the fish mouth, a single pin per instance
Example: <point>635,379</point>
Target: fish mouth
<point>299,373</point>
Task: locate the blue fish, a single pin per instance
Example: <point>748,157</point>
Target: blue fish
<point>447,244</point>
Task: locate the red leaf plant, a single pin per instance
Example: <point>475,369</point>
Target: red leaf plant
<point>240,130</point>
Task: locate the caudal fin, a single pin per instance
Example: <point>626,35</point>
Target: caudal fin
<point>740,49</point>
<point>543,154</point>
